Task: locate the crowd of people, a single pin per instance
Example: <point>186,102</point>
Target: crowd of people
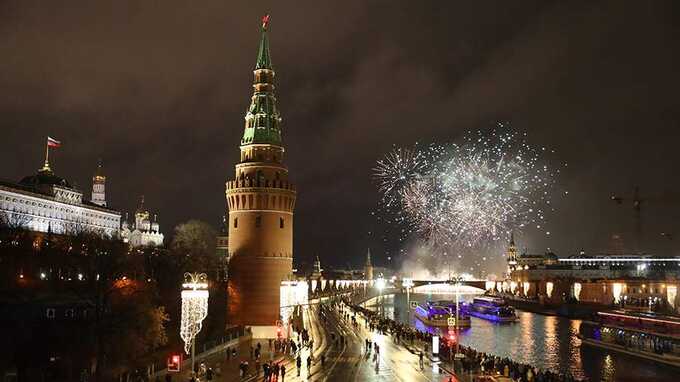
<point>478,365</point>
<point>473,362</point>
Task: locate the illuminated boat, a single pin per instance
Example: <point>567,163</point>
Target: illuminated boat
<point>438,313</point>
<point>493,309</point>
<point>648,336</point>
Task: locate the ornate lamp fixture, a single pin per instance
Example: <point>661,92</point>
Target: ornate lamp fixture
<point>194,309</point>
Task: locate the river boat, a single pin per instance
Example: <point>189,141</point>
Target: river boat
<point>438,313</point>
<point>493,309</point>
<point>648,336</point>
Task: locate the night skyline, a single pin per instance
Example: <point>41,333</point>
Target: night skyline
<point>160,93</point>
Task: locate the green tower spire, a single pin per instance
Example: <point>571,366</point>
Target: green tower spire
<point>263,119</point>
<point>264,60</point>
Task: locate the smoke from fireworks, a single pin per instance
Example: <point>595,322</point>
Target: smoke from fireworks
<point>467,194</point>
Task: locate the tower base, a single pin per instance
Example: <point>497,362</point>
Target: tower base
<point>262,332</point>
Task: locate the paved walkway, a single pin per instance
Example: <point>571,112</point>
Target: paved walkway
<point>226,367</point>
<point>344,362</point>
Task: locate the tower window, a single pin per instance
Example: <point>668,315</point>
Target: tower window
<point>258,221</point>
<point>280,222</point>
<point>235,222</point>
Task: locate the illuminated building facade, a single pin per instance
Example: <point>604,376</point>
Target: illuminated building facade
<point>47,203</point>
<point>143,231</point>
<point>261,201</point>
<point>631,281</point>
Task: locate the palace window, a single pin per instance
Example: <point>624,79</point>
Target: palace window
<point>235,222</point>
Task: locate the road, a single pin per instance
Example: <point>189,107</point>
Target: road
<point>349,361</point>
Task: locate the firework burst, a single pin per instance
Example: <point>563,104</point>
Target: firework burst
<point>467,194</point>
<point>396,171</point>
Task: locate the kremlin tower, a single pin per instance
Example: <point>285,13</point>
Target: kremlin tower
<point>368,267</point>
<point>261,202</point>
<point>511,254</point>
<point>98,187</point>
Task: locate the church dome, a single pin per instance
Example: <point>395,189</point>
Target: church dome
<point>44,178</point>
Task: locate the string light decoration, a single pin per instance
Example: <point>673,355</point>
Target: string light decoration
<point>194,307</point>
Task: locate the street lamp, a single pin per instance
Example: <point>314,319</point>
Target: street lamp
<point>408,284</point>
<point>380,284</point>
<point>194,310</point>
<point>457,280</point>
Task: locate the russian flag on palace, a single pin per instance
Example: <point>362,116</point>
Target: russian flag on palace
<point>51,142</point>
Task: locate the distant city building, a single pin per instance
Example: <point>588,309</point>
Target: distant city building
<point>511,253</point>
<point>261,201</point>
<point>316,270</point>
<point>343,274</point>
<point>143,231</point>
<point>367,271</point>
<point>632,281</point>
<point>99,187</point>
<point>47,203</point>
<point>368,268</point>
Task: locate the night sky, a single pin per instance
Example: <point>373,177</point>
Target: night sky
<point>159,90</point>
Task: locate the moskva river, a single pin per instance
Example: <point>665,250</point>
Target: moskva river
<point>548,342</point>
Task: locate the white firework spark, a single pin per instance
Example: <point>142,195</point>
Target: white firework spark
<point>396,171</point>
<point>469,194</point>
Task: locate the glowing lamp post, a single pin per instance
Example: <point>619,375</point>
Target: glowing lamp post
<point>457,280</point>
<point>380,284</point>
<point>194,310</point>
<point>408,284</point>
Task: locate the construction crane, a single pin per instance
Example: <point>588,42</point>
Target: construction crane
<point>637,202</point>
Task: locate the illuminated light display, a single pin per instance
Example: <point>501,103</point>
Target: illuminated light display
<point>617,290</point>
<point>577,291</point>
<point>194,309</point>
<point>549,288</point>
<point>293,293</point>
<point>671,294</point>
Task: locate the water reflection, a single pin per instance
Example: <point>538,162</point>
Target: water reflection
<point>548,342</point>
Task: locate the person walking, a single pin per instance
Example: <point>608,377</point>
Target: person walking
<point>283,373</point>
<point>298,363</point>
<point>420,360</point>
